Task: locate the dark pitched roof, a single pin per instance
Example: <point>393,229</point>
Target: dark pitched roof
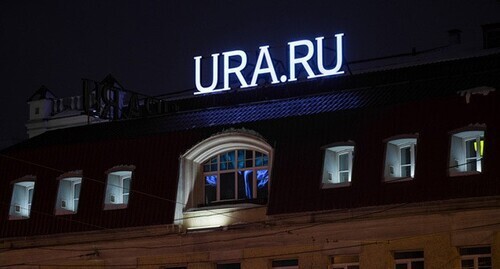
<point>42,93</point>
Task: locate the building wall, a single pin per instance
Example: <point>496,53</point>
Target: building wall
<point>374,236</point>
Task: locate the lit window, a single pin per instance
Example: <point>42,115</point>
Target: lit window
<point>409,260</point>
<point>466,153</point>
<point>475,258</point>
<point>286,264</point>
<point>400,159</point>
<point>68,194</point>
<point>236,175</point>
<point>118,189</point>
<point>229,266</point>
<point>337,166</point>
<point>345,262</point>
<point>231,169</point>
<point>22,197</point>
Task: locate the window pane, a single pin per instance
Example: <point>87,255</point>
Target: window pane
<point>406,155</point>
<point>76,191</point>
<point>470,151</point>
<point>344,162</point>
<point>475,250</point>
<point>285,263</point>
<point>262,184</point>
<point>228,266</point>
<point>210,188</point>
<point>30,195</point>
<point>227,186</point>
<point>468,264</point>
<point>408,255</point>
<point>245,184</point>
<point>206,168</point>
<point>261,159</point>
<point>344,177</point>
<point>227,160</point>
<point>471,164</point>
<point>126,185</point>
<point>241,158</point>
<point>417,265</point>
<point>484,262</point>
<point>401,266</point>
<point>406,171</point>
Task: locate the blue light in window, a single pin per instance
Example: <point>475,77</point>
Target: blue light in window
<point>262,178</point>
<point>248,179</point>
<point>211,180</point>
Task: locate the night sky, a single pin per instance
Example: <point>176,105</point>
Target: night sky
<point>148,46</point>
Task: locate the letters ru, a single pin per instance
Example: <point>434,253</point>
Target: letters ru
<point>265,56</point>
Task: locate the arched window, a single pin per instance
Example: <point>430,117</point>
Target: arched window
<point>236,175</point>
<point>22,197</point>
<point>229,167</point>
<point>337,165</point>
<point>466,151</point>
<point>68,194</point>
<point>400,158</point>
<point>118,186</point>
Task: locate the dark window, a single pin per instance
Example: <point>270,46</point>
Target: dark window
<point>476,258</point>
<point>229,266</point>
<point>491,35</point>
<point>285,263</point>
<point>409,260</point>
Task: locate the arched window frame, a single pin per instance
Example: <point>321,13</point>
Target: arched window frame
<point>117,196</point>
<point>68,193</point>
<point>332,173</point>
<point>457,157</point>
<point>393,158</point>
<point>23,190</point>
<point>191,162</point>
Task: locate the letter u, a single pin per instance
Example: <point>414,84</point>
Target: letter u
<point>197,74</point>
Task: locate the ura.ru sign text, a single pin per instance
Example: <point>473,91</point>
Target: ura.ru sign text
<point>265,65</point>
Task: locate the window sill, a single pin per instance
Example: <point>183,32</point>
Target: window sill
<point>18,217</point>
<point>328,185</point>
<point>228,205</point>
<point>465,173</point>
<point>397,179</point>
<point>61,211</point>
<point>115,206</point>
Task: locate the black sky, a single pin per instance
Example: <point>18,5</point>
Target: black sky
<point>149,45</point>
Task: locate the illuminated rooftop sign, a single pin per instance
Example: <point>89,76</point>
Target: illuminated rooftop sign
<point>264,59</point>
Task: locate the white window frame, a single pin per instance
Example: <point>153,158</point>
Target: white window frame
<point>393,166</point>
<point>30,191</point>
<point>253,168</point>
<point>402,166</point>
<point>458,160</point>
<point>66,193</point>
<point>343,265</point>
<point>76,200</point>
<point>22,187</point>
<point>408,261</point>
<point>287,267</point>
<point>331,165</point>
<point>344,261</point>
<point>475,258</point>
<point>190,189</point>
<point>114,195</point>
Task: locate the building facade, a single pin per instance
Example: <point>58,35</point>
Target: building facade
<point>388,169</point>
